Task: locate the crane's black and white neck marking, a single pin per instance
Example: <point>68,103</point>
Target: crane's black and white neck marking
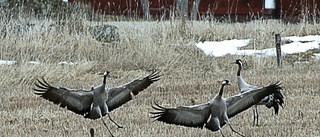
<point>239,63</point>
<point>242,84</point>
<point>105,75</point>
<point>101,89</point>
<point>223,83</point>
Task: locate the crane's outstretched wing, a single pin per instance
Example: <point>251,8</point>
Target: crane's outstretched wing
<point>122,94</point>
<point>240,102</point>
<point>274,100</point>
<point>78,101</point>
<point>189,116</point>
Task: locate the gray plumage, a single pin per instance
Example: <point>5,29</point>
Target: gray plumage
<point>98,101</point>
<point>274,100</point>
<point>214,114</point>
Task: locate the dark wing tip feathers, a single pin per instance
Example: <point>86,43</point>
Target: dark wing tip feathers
<point>154,76</point>
<point>167,115</point>
<point>162,114</point>
<point>147,81</point>
<point>160,111</point>
<point>278,97</point>
<point>41,87</point>
<point>276,108</point>
<point>275,87</point>
<point>277,93</point>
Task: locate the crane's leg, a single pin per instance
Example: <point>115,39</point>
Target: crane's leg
<point>119,126</point>
<point>221,133</point>
<point>215,123</point>
<point>255,115</point>
<point>107,127</point>
<point>227,121</point>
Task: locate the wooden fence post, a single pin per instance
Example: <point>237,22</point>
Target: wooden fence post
<point>278,49</point>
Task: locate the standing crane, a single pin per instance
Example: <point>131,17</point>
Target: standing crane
<point>98,101</point>
<point>214,114</point>
<point>274,100</point>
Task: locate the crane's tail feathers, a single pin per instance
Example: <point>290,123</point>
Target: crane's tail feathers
<point>277,98</point>
<point>276,108</point>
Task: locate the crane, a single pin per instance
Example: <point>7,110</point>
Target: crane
<point>214,114</point>
<point>98,101</point>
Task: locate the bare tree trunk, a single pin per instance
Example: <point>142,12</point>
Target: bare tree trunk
<point>182,7</point>
<point>195,9</point>
<point>146,9</point>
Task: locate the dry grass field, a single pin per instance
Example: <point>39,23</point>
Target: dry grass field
<point>189,77</point>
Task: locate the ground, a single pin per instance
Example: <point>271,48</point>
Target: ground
<point>189,76</point>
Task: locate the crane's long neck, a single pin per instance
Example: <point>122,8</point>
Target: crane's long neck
<point>239,69</point>
<point>221,90</point>
<point>104,79</point>
<point>242,84</point>
<point>101,88</point>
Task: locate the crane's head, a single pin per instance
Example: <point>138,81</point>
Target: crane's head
<point>238,61</point>
<point>105,75</point>
<point>101,88</point>
<point>225,82</point>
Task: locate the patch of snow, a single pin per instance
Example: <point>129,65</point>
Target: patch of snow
<point>34,62</point>
<point>301,62</point>
<point>222,48</point>
<point>310,38</point>
<point>66,63</point>
<point>296,47</point>
<point>317,55</point>
<point>290,48</point>
<point>7,62</point>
